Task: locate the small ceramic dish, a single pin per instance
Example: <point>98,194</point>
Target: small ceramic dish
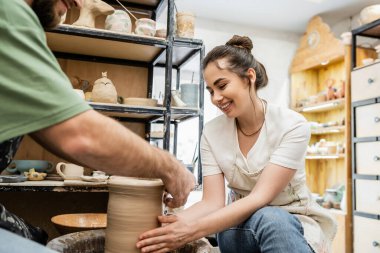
<point>94,179</point>
<point>140,101</point>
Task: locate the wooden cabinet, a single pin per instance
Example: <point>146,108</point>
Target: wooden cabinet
<point>320,81</point>
<point>367,235</point>
<point>366,146</point>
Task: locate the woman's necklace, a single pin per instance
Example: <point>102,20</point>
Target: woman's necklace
<point>255,132</point>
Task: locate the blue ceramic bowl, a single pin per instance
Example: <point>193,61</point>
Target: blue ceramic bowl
<point>25,165</point>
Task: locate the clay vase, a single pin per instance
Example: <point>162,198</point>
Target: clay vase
<point>104,91</point>
<point>119,21</point>
<point>185,24</point>
<point>133,207</point>
<point>90,10</point>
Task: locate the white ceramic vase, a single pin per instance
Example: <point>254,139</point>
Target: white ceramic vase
<point>119,21</point>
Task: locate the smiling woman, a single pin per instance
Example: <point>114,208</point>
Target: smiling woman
<point>259,149</point>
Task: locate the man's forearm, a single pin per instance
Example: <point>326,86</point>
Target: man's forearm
<point>99,142</point>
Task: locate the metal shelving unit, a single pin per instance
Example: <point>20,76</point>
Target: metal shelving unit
<point>90,45</point>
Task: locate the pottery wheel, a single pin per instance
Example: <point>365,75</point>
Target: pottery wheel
<point>133,207</point>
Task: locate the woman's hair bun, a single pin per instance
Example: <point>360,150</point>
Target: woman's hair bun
<point>241,42</point>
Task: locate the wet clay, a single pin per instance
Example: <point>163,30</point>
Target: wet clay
<point>133,207</point>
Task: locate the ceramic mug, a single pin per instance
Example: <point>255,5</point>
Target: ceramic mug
<point>25,165</point>
<point>69,170</point>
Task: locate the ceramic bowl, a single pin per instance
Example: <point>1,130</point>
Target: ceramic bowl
<point>145,26</point>
<point>140,101</point>
<point>370,13</point>
<point>75,222</point>
<point>25,165</point>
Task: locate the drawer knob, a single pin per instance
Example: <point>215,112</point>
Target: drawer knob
<point>377,119</point>
<point>376,158</point>
<point>371,80</point>
<point>375,244</point>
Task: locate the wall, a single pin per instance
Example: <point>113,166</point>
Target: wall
<point>274,49</point>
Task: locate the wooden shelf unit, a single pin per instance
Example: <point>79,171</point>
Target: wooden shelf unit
<point>365,144</point>
<point>319,58</point>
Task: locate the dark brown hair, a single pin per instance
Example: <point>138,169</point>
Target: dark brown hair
<point>237,51</point>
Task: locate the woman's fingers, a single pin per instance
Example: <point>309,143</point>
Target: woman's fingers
<point>167,219</point>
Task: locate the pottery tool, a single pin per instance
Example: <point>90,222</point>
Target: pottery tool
<point>130,13</point>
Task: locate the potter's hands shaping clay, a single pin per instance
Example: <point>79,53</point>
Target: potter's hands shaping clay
<point>174,233</point>
<point>179,183</point>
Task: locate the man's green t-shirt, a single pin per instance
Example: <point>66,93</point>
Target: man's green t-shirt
<point>34,91</point>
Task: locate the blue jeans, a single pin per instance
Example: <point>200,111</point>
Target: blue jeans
<point>12,243</point>
<point>269,229</point>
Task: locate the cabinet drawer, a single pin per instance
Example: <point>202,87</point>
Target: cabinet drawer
<point>368,121</point>
<point>368,158</point>
<point>368,196</point>
<point>366,235</point>
<point>365,83</point>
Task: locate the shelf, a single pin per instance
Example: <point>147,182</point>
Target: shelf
<point>377,61</point>
<point>184,113</point>
<point>328,130</point>
<point>322,107</point>
<point>183,50</point>
<point>369,30</point>
<point>51,186</point>
<point>151,3</point>
<point>145,113</point>
<point>337,211</point>
<point>104,43</point>
<point>132,47</point>
<point>324,157</point>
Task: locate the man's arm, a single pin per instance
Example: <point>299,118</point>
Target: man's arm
<point>99,142</point>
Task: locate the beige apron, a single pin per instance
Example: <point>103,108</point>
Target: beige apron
<point>319,225</point>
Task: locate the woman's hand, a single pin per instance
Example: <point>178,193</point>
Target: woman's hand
<point>173,234</point>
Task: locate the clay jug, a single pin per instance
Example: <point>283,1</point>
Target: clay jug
<point>133,207</point>
<point>104,91</point>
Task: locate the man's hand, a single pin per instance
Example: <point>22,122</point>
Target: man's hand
<point>179,184</point>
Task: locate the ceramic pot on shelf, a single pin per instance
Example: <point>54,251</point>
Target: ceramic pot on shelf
<point>119,21</point>
<point>185,24</point>
<point>104,91</point>
<point>145,26</point>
